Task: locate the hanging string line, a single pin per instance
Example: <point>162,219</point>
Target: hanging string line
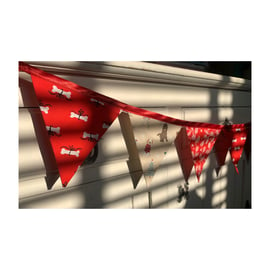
<point>123,106</point>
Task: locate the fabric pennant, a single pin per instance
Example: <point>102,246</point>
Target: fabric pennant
<point>153,139</point>
<point>184,154</point>
<point>237,146</point>
<point>76,118</point>
<point>75,123</point>
<point>201,141</point>
<point>222,146</point>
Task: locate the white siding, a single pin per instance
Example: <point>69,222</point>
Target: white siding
<point>185,94</point>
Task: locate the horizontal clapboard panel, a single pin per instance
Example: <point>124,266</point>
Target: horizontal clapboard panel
<point>181,96</point>
<point>146,72</point>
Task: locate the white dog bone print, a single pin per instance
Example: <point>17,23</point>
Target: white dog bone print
<point>80,117</point>
<point>70,152</point>
<point>88,135</point>
<point>243,138</point>
<point>60,91</point>
<point>44,109</point>
<point>53,129</point>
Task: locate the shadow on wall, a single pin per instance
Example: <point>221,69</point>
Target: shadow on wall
<point>92,190</point>
<point>31,104</point>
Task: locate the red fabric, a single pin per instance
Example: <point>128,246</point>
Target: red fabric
<point>75,123</point>
<point>201,141</point>
<point>222,145</point>
<point>238,141</point>
<point>184,154</point>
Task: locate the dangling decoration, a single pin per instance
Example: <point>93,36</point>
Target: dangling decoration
<point>201,141</point>
<point>183,192</point>
<point>238,141</point>
<point>74,123</point>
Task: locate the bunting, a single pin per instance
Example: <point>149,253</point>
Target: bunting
<point>76,118</point>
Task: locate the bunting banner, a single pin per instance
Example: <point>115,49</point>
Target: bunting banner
<point>76,118</point>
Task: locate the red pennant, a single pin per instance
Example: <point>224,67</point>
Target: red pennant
<point>183,150</point>
<point>222,145</point>
<point>75,123</point>
<point>201,141</point>
<point>238,141</point>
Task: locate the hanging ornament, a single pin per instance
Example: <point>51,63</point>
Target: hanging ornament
<point>237,145</point>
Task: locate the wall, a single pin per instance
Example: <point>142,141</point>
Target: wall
<point>180,93</point>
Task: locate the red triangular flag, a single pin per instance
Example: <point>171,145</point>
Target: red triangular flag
<point>183,150</point>
<point>238,141</point>
<point>75,123</point>
<point>222,145</point>
<point>201,141</point>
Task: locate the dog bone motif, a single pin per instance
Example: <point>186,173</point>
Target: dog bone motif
<point>70,152</point>
<point>91,136</point>
<point>61,92</point>
<point>53,129</point>
<point>80,117</point>
<point>44,109</point>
